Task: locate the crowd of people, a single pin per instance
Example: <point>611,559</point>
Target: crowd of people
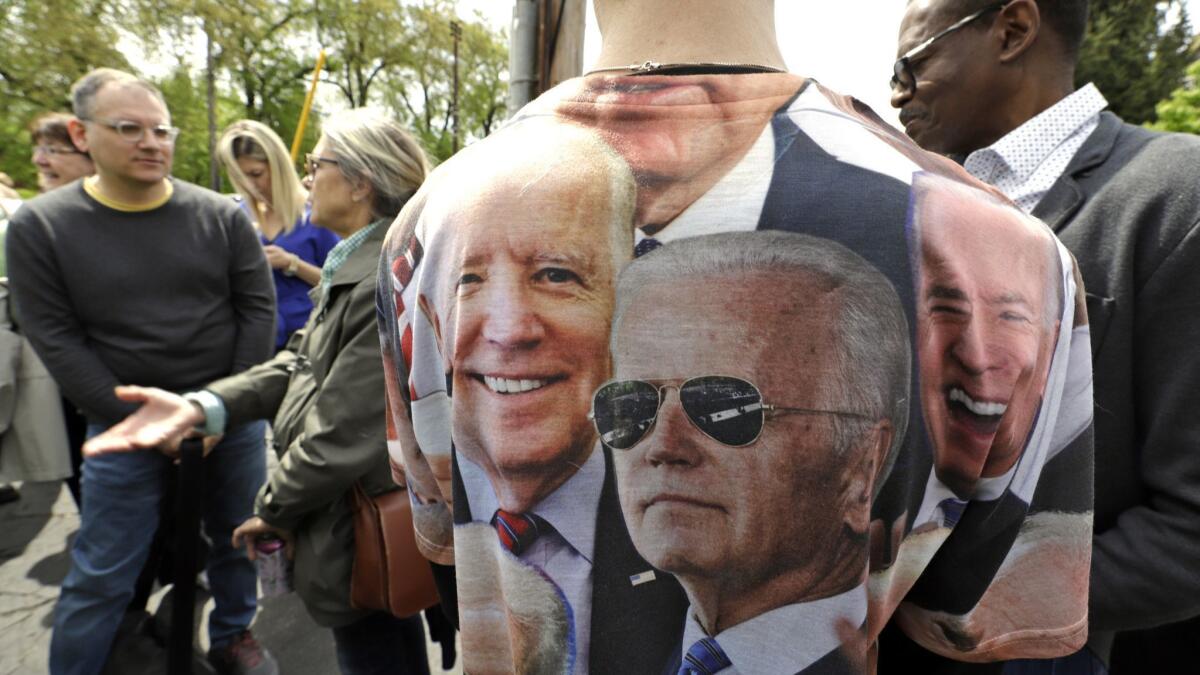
<point>694,367</point>
<point>210,288</point>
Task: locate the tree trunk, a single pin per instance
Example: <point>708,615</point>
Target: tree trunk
<point>210,75</point>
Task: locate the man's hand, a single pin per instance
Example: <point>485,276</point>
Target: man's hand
<point>161,423</point>
<point>255,526</point>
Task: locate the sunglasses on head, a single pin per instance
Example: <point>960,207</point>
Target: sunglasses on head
<point>728,410</point>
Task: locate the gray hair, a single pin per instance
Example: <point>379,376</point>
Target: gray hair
<point>871,332</point>
<point>373,147</point>
<point>85,89</point>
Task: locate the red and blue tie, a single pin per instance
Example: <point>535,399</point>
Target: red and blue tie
<point>517,531</point>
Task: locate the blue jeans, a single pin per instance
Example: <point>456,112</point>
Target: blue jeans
<point>121,495</point>
<point>381,644</point>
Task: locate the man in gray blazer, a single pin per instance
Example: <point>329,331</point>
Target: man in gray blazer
<point>992,84</point>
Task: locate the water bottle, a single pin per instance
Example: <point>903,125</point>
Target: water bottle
<point>274,569</point>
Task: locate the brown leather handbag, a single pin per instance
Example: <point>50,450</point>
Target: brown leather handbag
<point>389,573</point>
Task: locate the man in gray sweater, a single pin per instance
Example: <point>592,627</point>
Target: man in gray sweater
<point>131,276</point>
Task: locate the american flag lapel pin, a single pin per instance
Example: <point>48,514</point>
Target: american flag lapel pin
<point>642,578</point>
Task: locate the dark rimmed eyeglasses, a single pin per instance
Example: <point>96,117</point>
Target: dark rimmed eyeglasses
<point>729,410</point>
<point>133,132</point>
<point>313,162</point>
<point>903,78</point>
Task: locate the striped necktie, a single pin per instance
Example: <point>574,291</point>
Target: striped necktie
<point>952,510</point>
<point>517,531</point>
<point>704,658</point>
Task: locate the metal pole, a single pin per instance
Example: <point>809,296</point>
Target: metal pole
<point>456,33</point>
<point>523,55</point>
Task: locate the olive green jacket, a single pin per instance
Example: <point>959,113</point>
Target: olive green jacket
<point>326,394</point>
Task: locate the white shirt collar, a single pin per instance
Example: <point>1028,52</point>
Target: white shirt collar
<point>1024,149</point>
<point>785,640</point>
<point>735,203</point>
<point>571,509</point>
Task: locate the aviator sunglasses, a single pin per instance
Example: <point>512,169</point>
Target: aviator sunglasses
<point>728,410</point>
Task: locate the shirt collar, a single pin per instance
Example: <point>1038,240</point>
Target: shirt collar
<point>571,509</point>
<point>768,643</point>
<point>1025,148</point>
<point>735,202</point>
<point>342,251</point>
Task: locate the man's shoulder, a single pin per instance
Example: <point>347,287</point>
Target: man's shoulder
<point>194,196</point>
<point>53,209</point>
<point>1136,142</point>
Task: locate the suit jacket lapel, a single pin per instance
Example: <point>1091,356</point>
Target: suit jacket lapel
<point>1066,196</point>
<point>634,628</point>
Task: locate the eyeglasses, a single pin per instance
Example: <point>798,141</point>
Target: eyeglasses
<point>728,410</point>
<point>313,162</point>
<point>902,74</point>
<point>54,150</point>
<point>134,132</point>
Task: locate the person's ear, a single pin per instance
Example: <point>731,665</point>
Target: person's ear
<point>1017,28</point>
<point>360,191</point>
<point>78,134</point>
<point>864,474</point>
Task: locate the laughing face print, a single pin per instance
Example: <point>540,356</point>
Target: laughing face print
<point>987,318</point>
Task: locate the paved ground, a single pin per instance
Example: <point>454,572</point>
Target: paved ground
<point>35,533</point>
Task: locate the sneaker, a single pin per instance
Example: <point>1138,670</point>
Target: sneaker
<point>242,656</point>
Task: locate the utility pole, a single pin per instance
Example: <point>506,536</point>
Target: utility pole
<point>456,33</point>
<point>546,47</point>
<point>561,41</point>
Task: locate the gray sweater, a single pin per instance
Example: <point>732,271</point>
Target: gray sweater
<point>174,297</point>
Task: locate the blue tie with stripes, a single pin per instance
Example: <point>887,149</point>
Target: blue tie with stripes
<point>952,510</point>
<point>645,246</point>
<point>704,658</point>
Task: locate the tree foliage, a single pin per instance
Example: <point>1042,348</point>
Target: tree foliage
<point>47,45</point>
<point>1136,51</point>
<point>1181,112</point>
<point>396,54</point>
<point>401,56</point>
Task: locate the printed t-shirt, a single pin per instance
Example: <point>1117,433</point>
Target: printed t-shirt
<point>777,327</point>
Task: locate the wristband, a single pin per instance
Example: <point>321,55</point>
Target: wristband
<point>293,266</point>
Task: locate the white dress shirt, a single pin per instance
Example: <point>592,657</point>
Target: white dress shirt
<point>734,204</point>
<point>986,489</point>
<point>1026,162</point>
<point>566,553</point>
<point>786,640</point>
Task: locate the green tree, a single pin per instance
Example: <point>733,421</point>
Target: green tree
<point>1181,112</point>
<point>401,55</point>
<point>420,89</point>
<point>48,44</point>
<point>186,98</point>
<point>255,63</point>
<point>1135,54</point>
<point>368,38</point>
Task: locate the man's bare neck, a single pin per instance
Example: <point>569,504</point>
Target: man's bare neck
<point>699,31</point>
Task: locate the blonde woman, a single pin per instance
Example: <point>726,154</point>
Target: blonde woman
<point>261,171</point>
